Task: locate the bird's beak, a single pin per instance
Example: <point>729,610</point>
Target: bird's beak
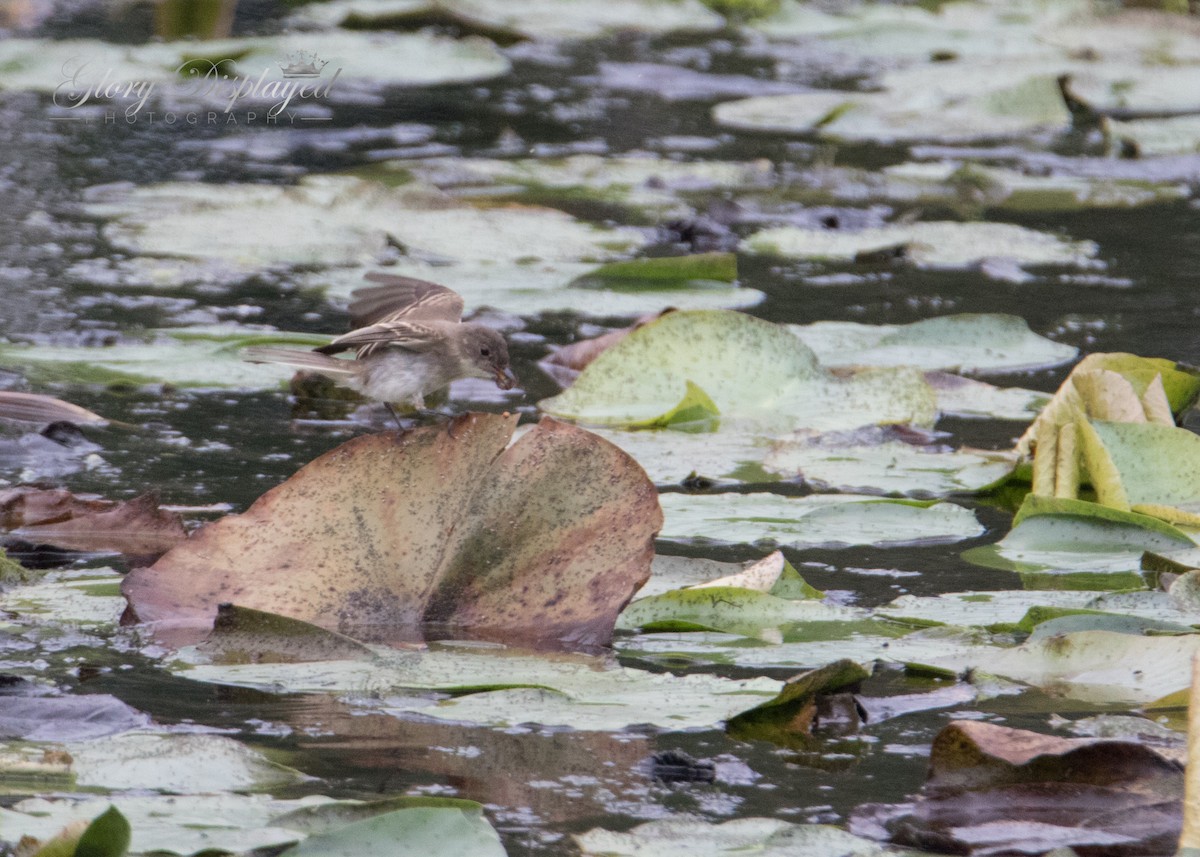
<point>505,379</point>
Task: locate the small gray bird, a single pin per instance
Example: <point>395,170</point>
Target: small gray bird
<point>409,340</point>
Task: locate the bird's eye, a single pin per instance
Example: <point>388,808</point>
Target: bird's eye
<point>485,352</point>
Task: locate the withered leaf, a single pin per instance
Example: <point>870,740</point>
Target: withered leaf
<point>136,528</point>
<point>543,542</point>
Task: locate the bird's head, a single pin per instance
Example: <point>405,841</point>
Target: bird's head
<point>484,354</point>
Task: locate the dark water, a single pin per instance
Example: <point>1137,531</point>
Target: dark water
<point>538,785</point>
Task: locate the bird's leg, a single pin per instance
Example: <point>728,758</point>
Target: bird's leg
<point>395,416</point>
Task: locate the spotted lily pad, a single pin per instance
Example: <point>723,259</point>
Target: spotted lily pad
<point>392,531</point>
<point>502,688</point>
<point>191,823</point>
<point>927,244</point>
<point>182,357</point>
<point>257,226</point>
<point>816,521</point>
<point>750,369</point>
<point>976,343</point>
<point>1063,535</point>
<point>769,837</point>
<point>545,19</point>
<point>833,463</point>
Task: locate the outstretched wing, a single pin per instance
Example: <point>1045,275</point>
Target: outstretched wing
<point>399,298</point>
<point>409,335</point>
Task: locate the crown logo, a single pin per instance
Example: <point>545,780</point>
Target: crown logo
<point>303,64</point>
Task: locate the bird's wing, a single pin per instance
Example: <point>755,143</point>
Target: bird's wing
<point>399,298</point>
<point>409,335</point>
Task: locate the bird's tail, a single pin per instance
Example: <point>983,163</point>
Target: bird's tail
<point>330,367</point>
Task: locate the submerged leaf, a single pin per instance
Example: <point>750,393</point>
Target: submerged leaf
<point>137,528</point>
<point>442,524</point>
<point>993,789</point>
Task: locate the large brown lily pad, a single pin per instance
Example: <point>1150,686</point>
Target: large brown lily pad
<point>543,541</point>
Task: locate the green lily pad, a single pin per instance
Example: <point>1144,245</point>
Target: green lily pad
<point>179,824</point>
<point>728,609</point>
<point>892,468</point>
<point>788,718</point>
<point>928,244</point>
<point>108,835</point>
<point>419,832</point>
<point>955,183</point>
<point>653,186</point>
<point>82,598</point>
<point>544,19</point>
<point>256,226</point>
<point>1097,666</point>
<point>816,521</point>
<point>982,343</point>
<point>501,688</point>
<point>660,272</point>
<point>768,837</point>
<point>202,358</point>
<point>396,59</point>
<point>1157,465</point>
<point>966,397</point>
<point>864,642</point>
<point>1058,535</point>
<point>671,457</point>
<point>750,369</point>
<point>175,763</point>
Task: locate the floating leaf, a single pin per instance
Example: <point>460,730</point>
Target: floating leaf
<point>728,609</point>
<point>412,60</point>
<point>1095,666</point>
<point>833,463</point>
<point>928,244</point>
<point>1058,535</point>
<point>137,528</point>
<point>546,19</point>
<point>768,837</point>
<point>361,220</point>
<point>977,343</point>
<point>205,358</point>
<point>531,286</point>
<point>389,531</point>
<point>816,521</point>
<point>419,831</point>
<point>789,718</point>
<point>175,763</point>
<point>661,272</point>
<point>1155,465</point>
<point>750,368</point>
<point>174,824</point>
<point>503,688</point>
<point>993,789</point>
